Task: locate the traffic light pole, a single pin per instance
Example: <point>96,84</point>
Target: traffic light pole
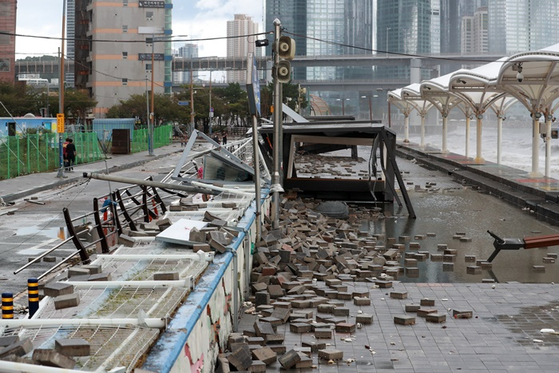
<point>278,133</point>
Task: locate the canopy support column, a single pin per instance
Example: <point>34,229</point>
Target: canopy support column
<point>535,145</point>
<point>467,146</point>
<point>547,144</point>
<point>445,130</point>
<point>499,138</point>
<point>423,131</point>
<point>406,128</point>
<point>479,158</point>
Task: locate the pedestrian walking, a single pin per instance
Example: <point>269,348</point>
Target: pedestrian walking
<point>70,155</point>
<point>224,139</point>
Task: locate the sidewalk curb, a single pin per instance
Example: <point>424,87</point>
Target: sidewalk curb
<point>71,179</point>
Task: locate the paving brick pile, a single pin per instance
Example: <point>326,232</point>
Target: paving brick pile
<point>313,277</point>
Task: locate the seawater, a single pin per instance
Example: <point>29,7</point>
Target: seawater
<point>516,149</point>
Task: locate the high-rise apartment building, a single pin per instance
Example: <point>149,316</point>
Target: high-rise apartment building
<point>123,39</point>
<point>435,26</point>
<point>182,74</point>
<point>475,31</point>
<point>481,30</point>
<point>70,53</point>
<point>238,46</point>
<point>452,13</point>
<point>467,35</point>
<point>8,40</point>
<point>522,25</point>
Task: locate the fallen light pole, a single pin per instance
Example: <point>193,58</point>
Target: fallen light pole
<point>196,187</point>
<point>521,243</point>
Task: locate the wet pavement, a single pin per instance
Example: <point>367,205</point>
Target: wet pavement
<point>514,303</point>
<point>508,315</point>
<point>503,335</point>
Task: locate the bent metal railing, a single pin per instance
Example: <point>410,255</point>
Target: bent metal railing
<point>125,209</point>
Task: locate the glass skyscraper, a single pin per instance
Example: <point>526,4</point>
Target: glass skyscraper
<point>403,27</point>
<point>522,25</point>
<point>325,27</point>
<point>293,17</point>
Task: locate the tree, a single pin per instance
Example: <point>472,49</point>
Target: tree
<point>290,96</point>
<point>18,100</point>
<point>166,109</point>
<point>77,103</point>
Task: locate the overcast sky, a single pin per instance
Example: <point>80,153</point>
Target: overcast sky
<point>196,18</point>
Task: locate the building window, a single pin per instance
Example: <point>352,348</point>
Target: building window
<point>124,2</point>
<point>124,28</point>
<point>4,65</point>
<point>148,67</point>
<point>124,55</point>
<point>149,16</point>
<point>124,81</point>
<point>6,9</point>
<point>4,39</point>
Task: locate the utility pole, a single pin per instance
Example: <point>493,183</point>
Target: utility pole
<point>152,111</point>
<point>60,116</point>
<point>276,179</point>
<point>191,100</point>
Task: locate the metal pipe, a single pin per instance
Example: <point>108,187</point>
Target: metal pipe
<point>277,128</point>
<point>63,261</point>
<point>195,256</point>
<point>140,284</point>
<point>235,289</point>
<point>127,180</point>
<point>9,367</point>
<point>257,188</point>
<point>57,323</point>
<point>42,255</point>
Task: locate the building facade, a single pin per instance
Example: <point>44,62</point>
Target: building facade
<point>70,53</point>
<point>125,41</point>
<point>522,25</point>
<point>403,27</point>
<point>238,46</point>
<point>7,41</point>
<point>182,75</point>
<point>293,17</point>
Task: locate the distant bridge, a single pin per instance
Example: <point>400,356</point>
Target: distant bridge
<point>264,63</point>
<point>46,68</point>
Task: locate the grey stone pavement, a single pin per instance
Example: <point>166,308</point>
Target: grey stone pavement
<point>503,335</point>
<point>512,328</point>
<point>25,186</point>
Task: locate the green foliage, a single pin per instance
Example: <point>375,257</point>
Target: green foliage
<point>166,109</point>
<point>77,103</point>
<point>290,95</point>
<point>21,99</point>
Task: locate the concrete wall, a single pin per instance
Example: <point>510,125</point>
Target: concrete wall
<point>200,328</point>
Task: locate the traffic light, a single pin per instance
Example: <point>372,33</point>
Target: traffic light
<point>286,52</point>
